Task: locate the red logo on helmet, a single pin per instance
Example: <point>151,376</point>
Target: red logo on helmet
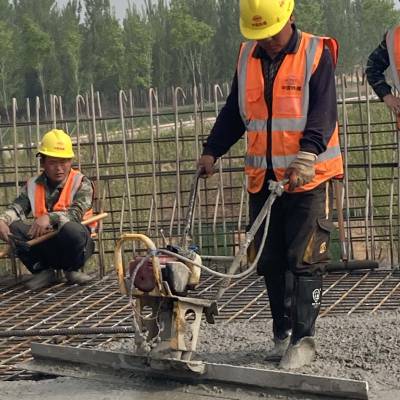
<point>258,21</point>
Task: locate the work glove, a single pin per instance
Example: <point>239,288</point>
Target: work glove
<point>206,163</point>
<point>301,170</point>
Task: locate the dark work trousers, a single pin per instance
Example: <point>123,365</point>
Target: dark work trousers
<point>68,250</point>
<point>297,245</point>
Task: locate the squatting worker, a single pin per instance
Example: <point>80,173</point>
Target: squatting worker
<point>283,94</point>
<point>385,55</point>
<point>58,199</point>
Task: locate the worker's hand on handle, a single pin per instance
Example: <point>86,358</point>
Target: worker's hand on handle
<point>301,170</point>
<point>4,231</point>
<point>40,227</point>
<point>393,103</point>
<point>206,164</point>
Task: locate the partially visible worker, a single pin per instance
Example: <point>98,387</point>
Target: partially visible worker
<point>386,55</point>
<point>283,94</point>
<point>58,199</point>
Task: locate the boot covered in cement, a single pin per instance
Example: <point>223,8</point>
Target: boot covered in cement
<point>41,279</point>
<point>306,303</point>
<point>279,349</point>
<point>299,355</point>
<point>280,293</point>
<point>76,277</point>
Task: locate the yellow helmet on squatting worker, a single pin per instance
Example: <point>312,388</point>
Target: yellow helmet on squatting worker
<point>56,143</point>
<point>261,19</point>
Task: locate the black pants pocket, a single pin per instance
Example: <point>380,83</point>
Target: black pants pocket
<point>317,248</point>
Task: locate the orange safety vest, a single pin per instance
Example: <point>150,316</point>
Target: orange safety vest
<point>288,117</point>
<point>37,196</point>
<point>393,46</point>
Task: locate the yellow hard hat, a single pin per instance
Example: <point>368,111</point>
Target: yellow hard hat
<point>261,19</point>
<point>56,143</point>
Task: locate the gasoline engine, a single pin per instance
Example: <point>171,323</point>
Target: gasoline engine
<point>165,319</point>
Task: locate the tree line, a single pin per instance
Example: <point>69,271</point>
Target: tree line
<point>47,49</point>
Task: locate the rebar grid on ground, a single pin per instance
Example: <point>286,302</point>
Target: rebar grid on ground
<point>99,305</point>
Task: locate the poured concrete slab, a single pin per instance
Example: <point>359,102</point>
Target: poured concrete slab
<point>97,364</point>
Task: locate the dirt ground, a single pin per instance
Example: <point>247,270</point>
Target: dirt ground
<point>365,347</point>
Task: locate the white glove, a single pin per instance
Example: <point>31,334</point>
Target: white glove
<point>301,170</point>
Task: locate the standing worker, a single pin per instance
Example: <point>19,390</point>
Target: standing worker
<point>59,199</point>
<point>385,55</point>
<point>283,94</point>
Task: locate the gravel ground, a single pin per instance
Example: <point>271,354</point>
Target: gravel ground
<point>364,347</point>
<point>361,347</point>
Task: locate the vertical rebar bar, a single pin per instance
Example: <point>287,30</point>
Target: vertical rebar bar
<point>37,114</point>
<point>133,156</point>
<point>98,185</point>
<point>29,138</point>
<point>15,141</point>
<point>361,119</point>
<point>175,93</point>
<point>78,100</point>
<point>154,96</point>
<point>217,90</point>
<point>107,158</point>
<point>122,100</point>
<point>197,144</point>
<point>370,174</point>
<point>346,162</point>
<point>391,239</point>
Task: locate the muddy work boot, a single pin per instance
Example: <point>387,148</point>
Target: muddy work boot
<point>280,346</point>
<point>76,277</point>
<point>299,355</point>
<point>306,304</point>
<point>41,279</point>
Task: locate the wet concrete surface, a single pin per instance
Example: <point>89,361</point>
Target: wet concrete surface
<point>362,347</point>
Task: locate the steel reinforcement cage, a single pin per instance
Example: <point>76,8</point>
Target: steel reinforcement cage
<point>142,164</point>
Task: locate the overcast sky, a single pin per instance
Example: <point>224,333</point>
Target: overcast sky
<point>120,5</point>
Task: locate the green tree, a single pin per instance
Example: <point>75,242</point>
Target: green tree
<point>310,16</point>
<point>227,39</point>
<point>138,42</point>
<point>38,46</point>
<point>68,47</point>
<point>103,50</point>
<point>166,70</point>
<point>373,18</point>
<point>190,37</point>
<point>7,53</point>
<point>339,17</point>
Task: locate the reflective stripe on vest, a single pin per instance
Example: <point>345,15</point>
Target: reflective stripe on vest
<point>288,115</point>
<point>284,161</point>
<point>393,46</point>
<point>37,196</point>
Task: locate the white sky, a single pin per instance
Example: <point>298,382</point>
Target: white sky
<point>120,5</point>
